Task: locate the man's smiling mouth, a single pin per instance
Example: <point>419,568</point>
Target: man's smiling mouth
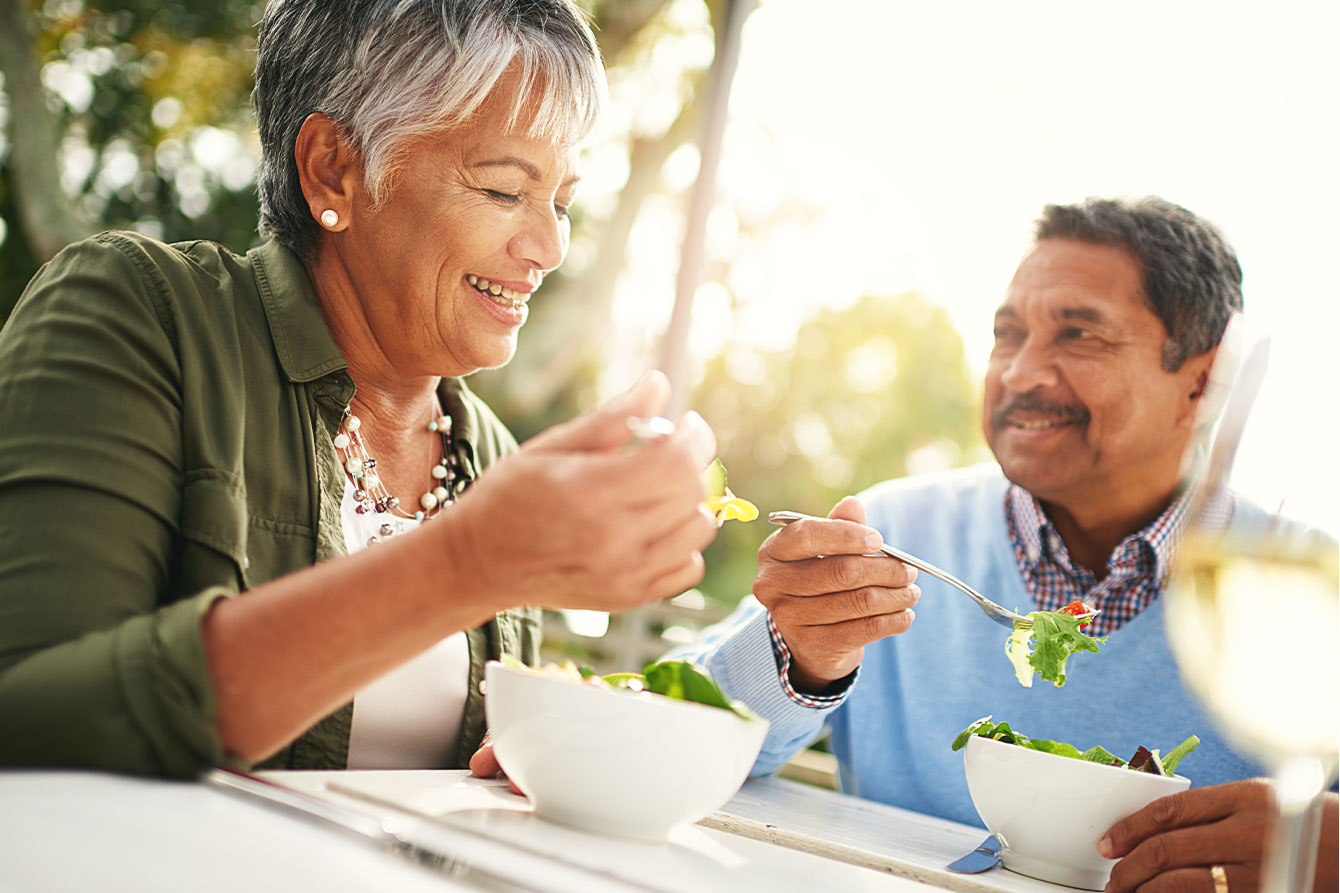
<point>1038,424</point>
<point>1029,412</point>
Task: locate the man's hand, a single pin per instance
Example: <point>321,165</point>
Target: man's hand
<point>1172,843</point>
<point>829,597</point>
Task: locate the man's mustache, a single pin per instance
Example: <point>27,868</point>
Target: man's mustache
<point>1031,402</point>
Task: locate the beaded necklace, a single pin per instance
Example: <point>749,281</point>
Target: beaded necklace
<point>370,494</point>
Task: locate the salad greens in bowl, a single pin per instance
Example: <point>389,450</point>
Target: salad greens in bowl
<point>1050,803</point>
<point>629,755</point>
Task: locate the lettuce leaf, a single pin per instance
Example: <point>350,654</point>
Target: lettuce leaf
<point>721,502</point>
<point>1175,755</point>
<point>1055,636</point>
<point>984,728</point>
<point>683,681</point>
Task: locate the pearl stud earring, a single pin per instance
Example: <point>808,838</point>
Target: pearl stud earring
<point>329,217</point>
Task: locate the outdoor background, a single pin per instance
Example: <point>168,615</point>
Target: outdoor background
<point>881,170</point>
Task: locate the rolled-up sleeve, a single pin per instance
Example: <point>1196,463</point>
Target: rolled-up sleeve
<point>101,663</point>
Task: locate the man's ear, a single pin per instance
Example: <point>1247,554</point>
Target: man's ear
<point>1197,371</point>
<point>327,169</point>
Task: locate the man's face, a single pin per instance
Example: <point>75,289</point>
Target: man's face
<point>1078,408</point>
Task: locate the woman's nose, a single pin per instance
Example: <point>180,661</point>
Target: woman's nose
<point>543,243</point>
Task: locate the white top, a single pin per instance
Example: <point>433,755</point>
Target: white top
<point>411,717</point>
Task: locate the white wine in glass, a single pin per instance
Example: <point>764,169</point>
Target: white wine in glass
<point>1253,619</point>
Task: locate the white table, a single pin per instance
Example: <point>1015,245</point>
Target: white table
<point>88,831</point>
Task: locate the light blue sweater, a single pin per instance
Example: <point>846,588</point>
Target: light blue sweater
<point>915,692</point>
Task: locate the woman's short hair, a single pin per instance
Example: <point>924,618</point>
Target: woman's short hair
<point>388,70</point>
<point>1192,278</point>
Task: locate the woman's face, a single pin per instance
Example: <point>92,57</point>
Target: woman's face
<point>444,268</point>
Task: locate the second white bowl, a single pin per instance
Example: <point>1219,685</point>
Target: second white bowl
<point>1050,811</point>
<point>616,762</point>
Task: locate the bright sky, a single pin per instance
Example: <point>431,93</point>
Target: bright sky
<point>926,137</point>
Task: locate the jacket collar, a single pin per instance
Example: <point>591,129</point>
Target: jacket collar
<point>306,349</point>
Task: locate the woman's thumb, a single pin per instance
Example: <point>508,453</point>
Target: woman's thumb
<point>606,426</point>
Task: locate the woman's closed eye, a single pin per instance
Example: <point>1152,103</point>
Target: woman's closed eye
<point>503,198</point>
<point>561,211</point>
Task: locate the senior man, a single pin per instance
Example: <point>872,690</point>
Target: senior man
<point>1102,351</point>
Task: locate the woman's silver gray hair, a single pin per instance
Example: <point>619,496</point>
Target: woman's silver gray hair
<point>388,70</point>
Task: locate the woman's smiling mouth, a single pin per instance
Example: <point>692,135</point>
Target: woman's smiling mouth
<point>498,294</point>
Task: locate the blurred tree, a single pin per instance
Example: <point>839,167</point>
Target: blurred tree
<point>875,391</point>
<point>129,115</point>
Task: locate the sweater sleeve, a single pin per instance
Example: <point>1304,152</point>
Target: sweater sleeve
<point>739,654</point>
<point>101,665</point>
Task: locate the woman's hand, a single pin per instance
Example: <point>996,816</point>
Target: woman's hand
<point>484,764</point>
<point>583,517</point>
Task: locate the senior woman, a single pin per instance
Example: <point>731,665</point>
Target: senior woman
<point>193,440</point>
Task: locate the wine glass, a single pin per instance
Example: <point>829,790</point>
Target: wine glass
<point>1252,607</point>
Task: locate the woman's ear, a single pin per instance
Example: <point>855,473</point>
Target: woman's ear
<point>327,170</point>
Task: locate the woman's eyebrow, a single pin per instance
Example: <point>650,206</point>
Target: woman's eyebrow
<point>531,170</point>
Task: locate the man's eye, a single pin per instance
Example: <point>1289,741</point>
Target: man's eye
<point>505,198</point>
<point>561,211</point>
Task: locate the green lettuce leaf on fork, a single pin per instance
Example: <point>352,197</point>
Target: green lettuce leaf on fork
<point>721,502</point>
<point>1054,635</point>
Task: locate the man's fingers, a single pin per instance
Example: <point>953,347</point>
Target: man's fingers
<point>1172,853</point>
<point>848,635</point>
<point>1197,879</point>
<point>839,607</point>
<point>849,508</point>
<point>808,538</point>
<point>834,573</point>
<point>1196,806</point>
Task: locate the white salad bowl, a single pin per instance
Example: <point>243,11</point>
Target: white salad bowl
<point>622,763</point>
<point>1050,811</point>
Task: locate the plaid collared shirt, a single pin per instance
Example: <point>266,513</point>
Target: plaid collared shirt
<point>1137,571</point>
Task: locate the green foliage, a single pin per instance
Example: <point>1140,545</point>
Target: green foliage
<point>874,391</point>
<point>152,101</point>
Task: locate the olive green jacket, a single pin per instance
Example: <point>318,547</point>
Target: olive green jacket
<point>166,415</point>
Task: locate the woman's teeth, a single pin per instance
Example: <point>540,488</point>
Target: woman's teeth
<point>497,293</point>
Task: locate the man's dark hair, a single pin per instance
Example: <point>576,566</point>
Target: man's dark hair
<point>1192,278</point>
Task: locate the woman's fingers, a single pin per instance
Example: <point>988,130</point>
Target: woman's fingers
<point>483,763</point>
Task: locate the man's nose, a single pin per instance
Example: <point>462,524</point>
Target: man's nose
<point>1033,366</point>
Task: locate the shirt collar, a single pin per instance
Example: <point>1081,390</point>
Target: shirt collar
<point>306,349</point>
<point>1040,539</point>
